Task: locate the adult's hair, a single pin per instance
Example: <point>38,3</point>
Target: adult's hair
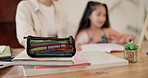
<point>85,22</point>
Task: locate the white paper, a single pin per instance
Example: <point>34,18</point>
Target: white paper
<point>5,64</point>
<point>102,47</point>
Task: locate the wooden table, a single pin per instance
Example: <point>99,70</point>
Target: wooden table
<point>133,70</point>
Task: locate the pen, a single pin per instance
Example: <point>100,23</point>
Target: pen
<point>49,45</point>
<point>46,48</point>
<point>64,49</point>
<point>3,60</point>
<point>46,42</point>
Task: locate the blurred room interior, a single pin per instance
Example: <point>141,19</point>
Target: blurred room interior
<point>125,16</point>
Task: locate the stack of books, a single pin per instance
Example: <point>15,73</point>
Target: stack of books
<point>24,59</point>
<point>5,56</point>
<point>49,52</point>
<point>95,59</point>
<point>84,60</point>
<point>51,62</point>
<point>5,52</point>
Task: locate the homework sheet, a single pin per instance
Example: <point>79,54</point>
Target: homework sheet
<point>103,47</point>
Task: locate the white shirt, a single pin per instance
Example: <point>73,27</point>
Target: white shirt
<point>50,21</point>
<point>33,19</point>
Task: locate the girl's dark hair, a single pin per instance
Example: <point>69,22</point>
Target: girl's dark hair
<point>85,22</point>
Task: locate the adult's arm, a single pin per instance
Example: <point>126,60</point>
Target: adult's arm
<point>24,22</point>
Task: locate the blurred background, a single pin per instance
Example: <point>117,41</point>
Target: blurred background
<point>7,23</point>
<point>125,16</point>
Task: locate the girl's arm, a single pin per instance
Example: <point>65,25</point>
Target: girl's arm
<point>121,37</point>
<point>82,37</point>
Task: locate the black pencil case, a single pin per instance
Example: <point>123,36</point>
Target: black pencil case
<point>50,46</point>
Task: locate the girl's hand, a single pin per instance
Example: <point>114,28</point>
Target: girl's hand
<point>129,38</point>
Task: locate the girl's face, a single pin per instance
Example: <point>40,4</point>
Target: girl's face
<point>98,16</point>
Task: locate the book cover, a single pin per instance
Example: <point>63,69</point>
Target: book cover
<point>96,58</point>
<point>79,60</point>
<point>2,48</point>
<point>6,56</point>
<point>24,59</point>
<point>7,53</point>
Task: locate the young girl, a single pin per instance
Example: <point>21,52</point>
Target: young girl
<point>95,27</point>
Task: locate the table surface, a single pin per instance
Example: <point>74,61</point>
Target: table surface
<point>133,70</point>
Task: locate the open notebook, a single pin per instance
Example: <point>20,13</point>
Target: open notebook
<point>103,47</point>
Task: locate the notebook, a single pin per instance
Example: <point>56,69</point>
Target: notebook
<point>5,56</point>
<point>79,60</point>
<point>103,47</point>
<point>2,48</point>
<point>7,53</point>
<point>96,58</point>
<point>24,59</point>
<point>5,64</point>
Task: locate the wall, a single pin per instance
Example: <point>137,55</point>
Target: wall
<point>7,23</point>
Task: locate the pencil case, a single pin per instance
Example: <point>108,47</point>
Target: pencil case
<point>50,46</point>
